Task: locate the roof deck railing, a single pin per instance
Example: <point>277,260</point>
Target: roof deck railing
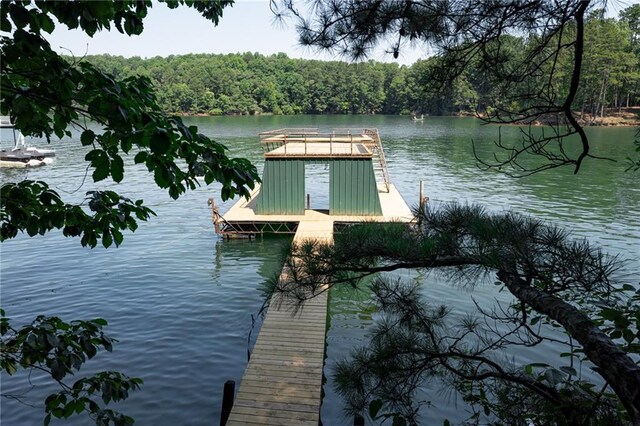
<point>278,139</point>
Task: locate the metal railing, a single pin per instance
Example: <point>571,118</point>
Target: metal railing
<point>358,140</point>
<point>378,153</point>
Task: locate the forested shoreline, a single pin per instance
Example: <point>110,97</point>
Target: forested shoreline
<point>251,83</point>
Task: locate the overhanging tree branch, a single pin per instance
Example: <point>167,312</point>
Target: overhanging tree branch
<point>541,266</point>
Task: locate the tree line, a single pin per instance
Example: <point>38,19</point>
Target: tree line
<point>251,83</point>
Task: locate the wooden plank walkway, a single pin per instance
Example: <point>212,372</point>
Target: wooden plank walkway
<point>282,384</point>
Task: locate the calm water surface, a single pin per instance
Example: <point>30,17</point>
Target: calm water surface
<point>181,302</point>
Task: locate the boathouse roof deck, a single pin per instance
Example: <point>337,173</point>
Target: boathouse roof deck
<point>310,143</point>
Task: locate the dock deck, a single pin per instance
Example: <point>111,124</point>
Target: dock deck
<point>282,384</point>
<point>242,218</point>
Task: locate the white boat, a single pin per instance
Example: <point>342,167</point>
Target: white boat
<point>418,119</point>
<point>21,155</point>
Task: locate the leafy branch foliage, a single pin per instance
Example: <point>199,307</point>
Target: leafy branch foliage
<point>45,94</point>
<point>557,283</point>
<point>59,349</point>
<point>33,207</point>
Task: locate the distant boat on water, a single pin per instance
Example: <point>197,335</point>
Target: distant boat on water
<point>21,155</point>
<point>415,118</point>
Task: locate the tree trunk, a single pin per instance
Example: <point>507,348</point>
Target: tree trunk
<point>604,99</point>
<point>614,365</point>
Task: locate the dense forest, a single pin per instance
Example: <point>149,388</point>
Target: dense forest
<point>250,83</point>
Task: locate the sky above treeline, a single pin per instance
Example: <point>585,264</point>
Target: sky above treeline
<point>247,26</point>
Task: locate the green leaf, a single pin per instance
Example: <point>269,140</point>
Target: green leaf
<point>117,237</point>
<point>117,168</point>
<point>107,240</point>
<point>628,335</point>
<point>161,176</point>
<point>10,368</point>
<point>569,370</point>
<point>19,15</point>
<point>5,24</point>
<point>95,155</point>
<point>101,172</point>
<point>32,226</point>
<point>374,408</point>
<point>141,157</point>
<point>398,421</point>
<point>46,23</point>
<point>160,142</point>
<point>69,409</point>
<point>610,314</point>
<point>87,138</point>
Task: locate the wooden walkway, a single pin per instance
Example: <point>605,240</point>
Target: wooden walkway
<point>282,383</point>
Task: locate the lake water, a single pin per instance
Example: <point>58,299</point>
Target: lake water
<point>181,301</point>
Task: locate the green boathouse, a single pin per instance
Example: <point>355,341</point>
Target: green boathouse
<point>357,171</point>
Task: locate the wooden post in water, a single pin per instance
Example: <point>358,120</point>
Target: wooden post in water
<point>215,215</point>
<point>227,401</point>
<point>308,202</point>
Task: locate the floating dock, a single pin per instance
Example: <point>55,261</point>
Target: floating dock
<point>282,384</point>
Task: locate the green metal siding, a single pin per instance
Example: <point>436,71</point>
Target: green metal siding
<point>282,190</point>
<point>353,189</point>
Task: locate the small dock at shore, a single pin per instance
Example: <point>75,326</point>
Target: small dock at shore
<point>282,384</point>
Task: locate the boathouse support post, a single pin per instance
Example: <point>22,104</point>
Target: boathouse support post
<point>227,401</point>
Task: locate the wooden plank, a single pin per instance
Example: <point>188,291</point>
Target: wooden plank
<point>294,379</point>
<point>284,345</point>
<point>289,375</point>
<point>241,402</point>
<point>273,417</point>
<point>274,414</point>
<point>257,419</point>
<point>309,390</point>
